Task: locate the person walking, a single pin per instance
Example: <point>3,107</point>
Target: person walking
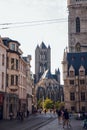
<point>59,115</point>
<point>66,118</point>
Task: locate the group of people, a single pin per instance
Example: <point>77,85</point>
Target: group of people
<point>63,116</point>
<point>20,115</point>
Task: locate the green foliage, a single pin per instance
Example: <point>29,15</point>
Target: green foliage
<point>39,103</point>
<point>48,104</point>
<point>59,105</point>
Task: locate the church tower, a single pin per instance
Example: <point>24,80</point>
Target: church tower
<point>77,25</point>
<point>42,60</point>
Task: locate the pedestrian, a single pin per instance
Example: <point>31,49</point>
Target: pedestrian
<point>59,115</point>
<point>21,115</point>
<point>66,118</point>
<point>45,111</point>
<point>11,115</point>
<point>27,113</point>
<point>85,123</point>
<point>18,115</point>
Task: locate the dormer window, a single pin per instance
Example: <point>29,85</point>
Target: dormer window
<point>71,71</point>
<point>12,47</point>
<point>81,71</point>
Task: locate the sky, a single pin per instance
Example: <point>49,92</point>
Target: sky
<point>23,18</point>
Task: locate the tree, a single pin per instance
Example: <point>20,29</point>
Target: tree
<point>39,103</point>
<point>48,104</point>
<point>57,104</point>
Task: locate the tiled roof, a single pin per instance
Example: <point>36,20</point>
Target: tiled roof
<point>76,60</point>
<point>6,41</point>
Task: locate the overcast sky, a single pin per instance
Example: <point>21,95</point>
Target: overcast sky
<point>53,34</point>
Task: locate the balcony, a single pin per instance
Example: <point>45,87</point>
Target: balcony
<point>13,88</point>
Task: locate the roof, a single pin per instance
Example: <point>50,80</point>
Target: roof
<point>77,60</point>
<point>43,46</point>
<point>6,41</point>
<point>47,75</point>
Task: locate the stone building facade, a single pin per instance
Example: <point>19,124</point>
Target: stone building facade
<point>3,53</point>
<point>16,80</point>
<point>12,73</point>
<point>74,59</point>
<point>29,84</point>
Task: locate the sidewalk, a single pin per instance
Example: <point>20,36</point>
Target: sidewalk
<point>76,125</point>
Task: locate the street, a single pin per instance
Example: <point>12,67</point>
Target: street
<point>32,123</point>
<point>38,121</point>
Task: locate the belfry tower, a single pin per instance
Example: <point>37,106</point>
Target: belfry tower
<point>77,25</point>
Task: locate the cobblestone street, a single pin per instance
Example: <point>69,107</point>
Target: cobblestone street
<point>75,125</point>
<point>37,122</point>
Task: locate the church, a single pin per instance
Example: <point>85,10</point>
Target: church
<point>47,85</point>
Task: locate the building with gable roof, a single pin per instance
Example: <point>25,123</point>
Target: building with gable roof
<point>46,84</point>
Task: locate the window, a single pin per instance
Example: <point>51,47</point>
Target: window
<point>16,64</point>
<point>72,108</point>
<point>2,79</point>
<point>7,80</point>
<point>12,47</point>
<point>7,62</point>
<point>12,63</point>
<point>3,58</point>
<point>78,48</point>
<point>82,72</point>
<point>83,109</point>
<point>16,47</point>
<point>71,82</point>
<point>16,80</point>
<point>12,79</point>
<point>82,96</point>
<point>82,81</point>
<point>71,73</point>
<point>77,25</point>
<point>72,96</point>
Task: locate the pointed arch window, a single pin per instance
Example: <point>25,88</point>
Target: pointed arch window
<point>78,47</point>
<point>77,25</point>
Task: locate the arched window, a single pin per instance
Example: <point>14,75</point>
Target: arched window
<point>78,48</point>
<point>77,24</point>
